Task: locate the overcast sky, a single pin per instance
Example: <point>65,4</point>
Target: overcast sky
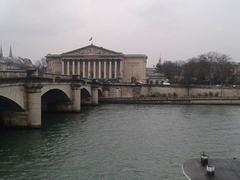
<point>174,29</point>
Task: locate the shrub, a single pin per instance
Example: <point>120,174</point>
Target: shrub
<point>163,95</point>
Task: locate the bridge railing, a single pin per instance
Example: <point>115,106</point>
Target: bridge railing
<point>33,74</point>
<point>58,77</point>
<point>13,74</point>
<point>55,76</point>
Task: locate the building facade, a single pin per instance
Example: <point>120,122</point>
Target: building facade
<point>154,77</point>
<point>95,62</point>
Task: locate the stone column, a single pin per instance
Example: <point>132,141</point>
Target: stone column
<point>99,69</point>
<point>121,69</point>
<point>67,67</point>
<point>34,107</point>
<point>62,67</point>
<point>78,67</point>
<point>73,67</point>
<point>105,69</point>
<point>84,69</point>
<point>88,73</point>
<point>115,69</point>
<point>94,69</point>
<point>110,69</point>
<point>76,97</point>
<point>95,96</point>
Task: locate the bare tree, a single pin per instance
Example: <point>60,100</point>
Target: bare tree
<point>170,69</point>
<point>41,65</point>
<point>210,68</point>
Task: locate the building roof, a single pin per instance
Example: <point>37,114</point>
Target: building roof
<point>135,56</point>
<point>93,50</point>
<point>88,50</point>
<point>16,62</point>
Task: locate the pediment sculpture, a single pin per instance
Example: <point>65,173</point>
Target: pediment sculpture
<point>92,50</point>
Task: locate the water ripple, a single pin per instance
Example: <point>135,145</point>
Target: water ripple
<point>120,142</point>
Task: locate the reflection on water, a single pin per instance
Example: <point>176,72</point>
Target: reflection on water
<point>120,142</point>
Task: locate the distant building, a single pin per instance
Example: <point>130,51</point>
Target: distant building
<point>154,77</point>
<point>12,63</point>
<point>95,62</point>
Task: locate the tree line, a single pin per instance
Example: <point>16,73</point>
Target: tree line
<point>209,69</point>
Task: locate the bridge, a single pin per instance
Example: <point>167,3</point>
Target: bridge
<point>24,95</point>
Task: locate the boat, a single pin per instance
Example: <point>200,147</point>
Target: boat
<point>205,168</point>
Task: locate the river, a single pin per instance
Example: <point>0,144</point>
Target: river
<point>110,142</point>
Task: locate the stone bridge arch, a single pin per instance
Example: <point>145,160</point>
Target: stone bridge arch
<point>88,89</point>
<point>86,94</point>
<point>65,88</point>
<point>56,98</point>
<point>16,94</point>
<point>13,110</point>
<point>100,89</point>
<point>8,105</point>
<point>100,92</point>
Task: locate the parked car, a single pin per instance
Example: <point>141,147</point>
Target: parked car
<point>166,84</point>
<point>139,82</point>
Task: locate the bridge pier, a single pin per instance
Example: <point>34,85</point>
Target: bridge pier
<point>94,97</point>
<point>34,105</point>
<point>76,98</point>
<point>14,119</point>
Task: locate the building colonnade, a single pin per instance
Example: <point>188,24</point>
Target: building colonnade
<point>93,69</point>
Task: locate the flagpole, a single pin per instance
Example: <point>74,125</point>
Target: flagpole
<point>91,40</point>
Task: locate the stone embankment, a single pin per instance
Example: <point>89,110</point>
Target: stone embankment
<point>176,100</point>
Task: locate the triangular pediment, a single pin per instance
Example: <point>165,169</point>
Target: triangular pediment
<point>91,50</point>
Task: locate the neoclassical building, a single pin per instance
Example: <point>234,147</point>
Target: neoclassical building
<point>95,62</point>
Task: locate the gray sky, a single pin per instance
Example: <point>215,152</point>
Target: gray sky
<point>174,29</point>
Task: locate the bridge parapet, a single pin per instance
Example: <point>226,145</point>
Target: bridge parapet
<point>13,74</point>
<point>34,76</point>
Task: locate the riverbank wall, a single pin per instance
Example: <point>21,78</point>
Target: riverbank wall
<point>176,91</point>
<point>180,101</point>
<point>175,94</point>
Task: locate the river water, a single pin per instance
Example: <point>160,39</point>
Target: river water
<point>120,142</point>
